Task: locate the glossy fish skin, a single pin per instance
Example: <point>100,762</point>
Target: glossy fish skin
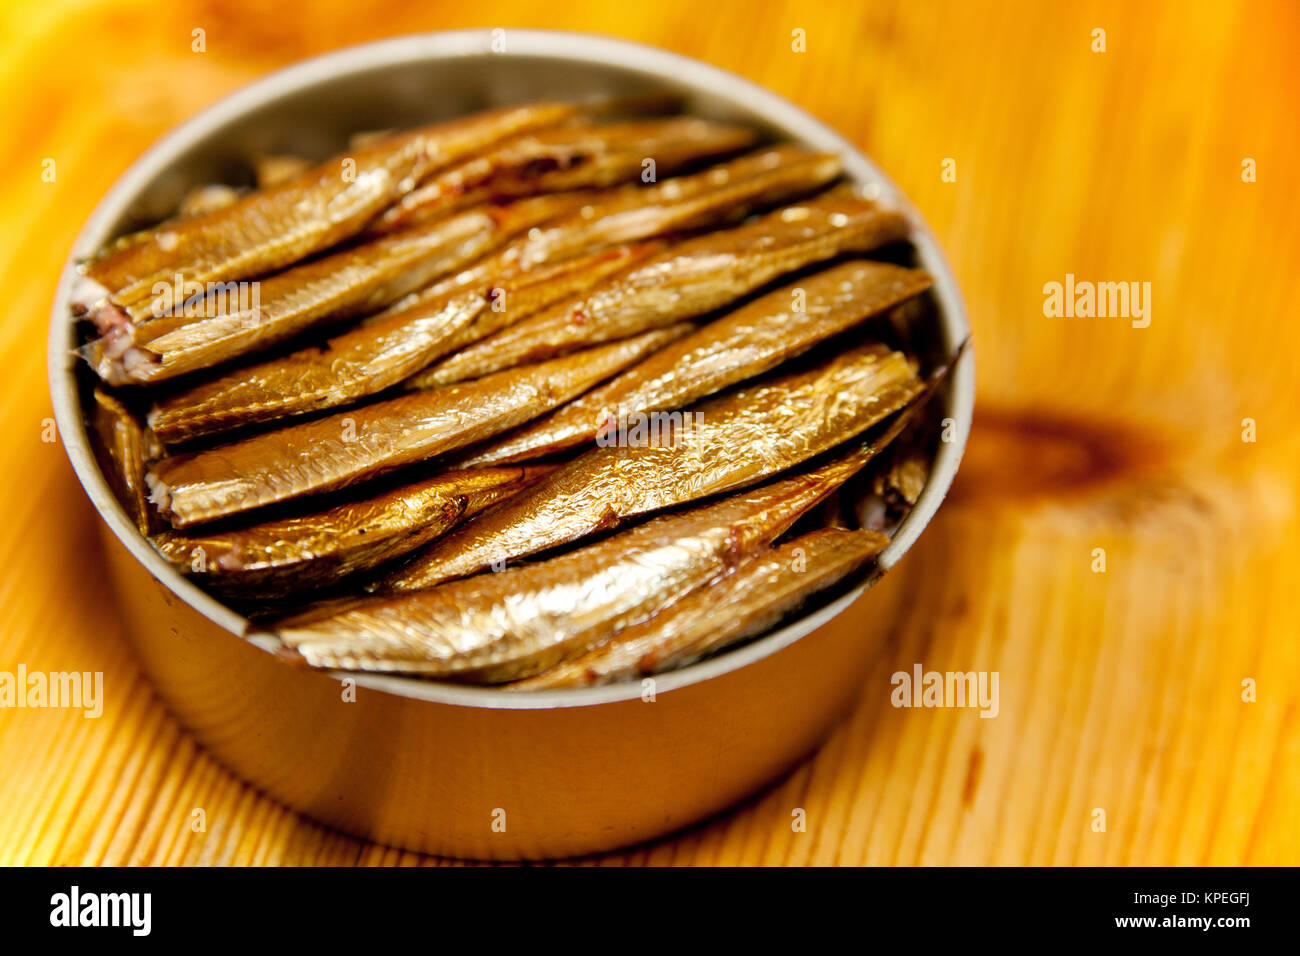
<point>374,355</point>
<point>347,367</point>
<point>198,201</point>
<point>539,290</point>
<point>632,214</point>
<point>344,283</point>
<point>513,623</point>
<point>721,194</point>
<point>734,440</point>
<point>503,264</point>
<point>909,469</point>
<point>751,599</point>
<point>274,227</point>
<point>293,555</point>
<point>122,448</point>
<point>350,446</point>
<point>689,279</point>
<point>572,156</point>
<point>273,169</point>
<point>748,342</point>
<point>205,199</point>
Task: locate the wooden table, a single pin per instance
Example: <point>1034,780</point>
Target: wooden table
<point>1120,690</point>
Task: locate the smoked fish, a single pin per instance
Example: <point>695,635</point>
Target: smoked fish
<point>750,599</point>
<point>549,396</point>
<point>350,446</point>
<point>721,194</point>
<point>374,355</point>
<point>741,345</point>
<point>633,214</point>
<point>274,169</point>
<point>685,280</point>
<point>570,156</point>
<point>726,442</point>
<point>123,448</point>
<point>293,555</point>
<point>274,227</point>
<point>205,199</point>
<point>254,316</point>
<point>517,622</point>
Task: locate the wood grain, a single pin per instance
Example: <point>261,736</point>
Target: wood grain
<point>1120,690</point>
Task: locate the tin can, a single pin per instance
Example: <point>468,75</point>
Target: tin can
<point>471,771</point>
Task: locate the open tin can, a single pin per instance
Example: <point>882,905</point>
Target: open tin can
<point>472,771</point>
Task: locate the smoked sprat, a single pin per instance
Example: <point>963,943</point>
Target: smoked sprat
<point>536,397</point>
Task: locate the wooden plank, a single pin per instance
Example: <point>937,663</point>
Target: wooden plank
<point>1120,691</point>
